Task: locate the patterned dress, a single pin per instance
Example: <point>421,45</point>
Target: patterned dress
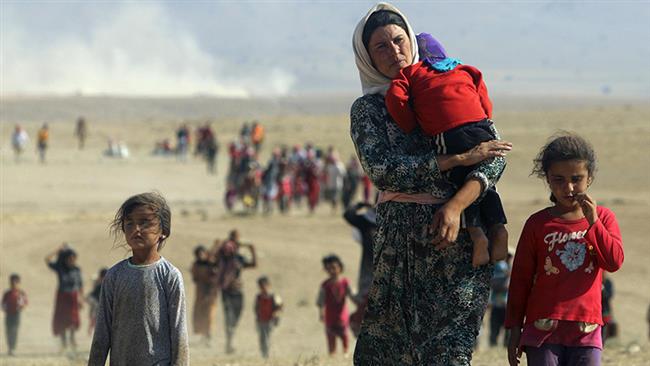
<point>425,305</point>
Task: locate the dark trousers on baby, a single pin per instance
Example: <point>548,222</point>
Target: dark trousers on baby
<point>489,210</point>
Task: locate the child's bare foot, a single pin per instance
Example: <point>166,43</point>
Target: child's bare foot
<point>481,254</point>
<point>499,239</point>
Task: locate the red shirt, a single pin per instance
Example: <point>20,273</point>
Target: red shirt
<point>264,307</point>
<point>332,295</point>
<point>13,301</point>
<point>437,101</point>
<point>557,270</point>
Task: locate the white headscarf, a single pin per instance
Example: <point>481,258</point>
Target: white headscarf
<point>373,81</point>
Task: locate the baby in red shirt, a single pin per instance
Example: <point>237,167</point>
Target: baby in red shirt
<point>449,100</point>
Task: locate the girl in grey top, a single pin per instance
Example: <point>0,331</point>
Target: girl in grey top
<point>141,318</point>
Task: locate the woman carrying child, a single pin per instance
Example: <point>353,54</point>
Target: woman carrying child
<point>426,301</point>
<point>449,101</point>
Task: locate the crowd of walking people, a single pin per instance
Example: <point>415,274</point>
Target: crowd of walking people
<point>216,272</point>
<point>296,176</point>
<point>434,246</point>
<point>292,177</point>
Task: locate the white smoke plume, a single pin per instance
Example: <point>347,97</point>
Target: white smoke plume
<point>140,51</point>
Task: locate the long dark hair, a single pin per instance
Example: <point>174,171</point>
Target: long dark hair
<point>153,200</point>
<point>564,146</point>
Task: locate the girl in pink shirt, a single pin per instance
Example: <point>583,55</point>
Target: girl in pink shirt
<point>554,299</point>
<point>333,310</point>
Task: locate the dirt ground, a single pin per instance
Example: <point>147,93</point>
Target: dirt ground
<point>74,196</point>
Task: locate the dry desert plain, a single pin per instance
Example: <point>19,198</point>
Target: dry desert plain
<point>74,196</point>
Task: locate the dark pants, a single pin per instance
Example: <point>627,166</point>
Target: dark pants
<point>12,322</point>
<point>264,330</point>
<point>233,302</point>
<point>497,319</point>
<point>558,355</point>
<point>489,211</point>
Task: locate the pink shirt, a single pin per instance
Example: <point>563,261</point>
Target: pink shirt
<point>332,296</point>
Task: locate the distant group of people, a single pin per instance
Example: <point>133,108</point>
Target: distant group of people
<point>20,138</point>
<point>206,145</point>
<point>130,292</point>
<point>218,271</point>
<point>290,177</point>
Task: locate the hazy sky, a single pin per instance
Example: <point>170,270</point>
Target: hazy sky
<point>275,48</point>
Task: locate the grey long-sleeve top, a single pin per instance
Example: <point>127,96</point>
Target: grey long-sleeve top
<point>141,318</point>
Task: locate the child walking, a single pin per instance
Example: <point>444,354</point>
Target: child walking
<point>14,301</point>
<point>267,313</point>
<point>141,317</point>
<point>450,101</point>
<point>333,310</point>
<point>554,298</point>
<point>69,295</point>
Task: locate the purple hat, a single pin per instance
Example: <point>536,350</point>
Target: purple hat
<point>430,49</point>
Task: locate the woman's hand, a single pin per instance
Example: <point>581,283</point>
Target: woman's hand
<point>483,151</point>
<point>446,222</point>
<point>514,350</point>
